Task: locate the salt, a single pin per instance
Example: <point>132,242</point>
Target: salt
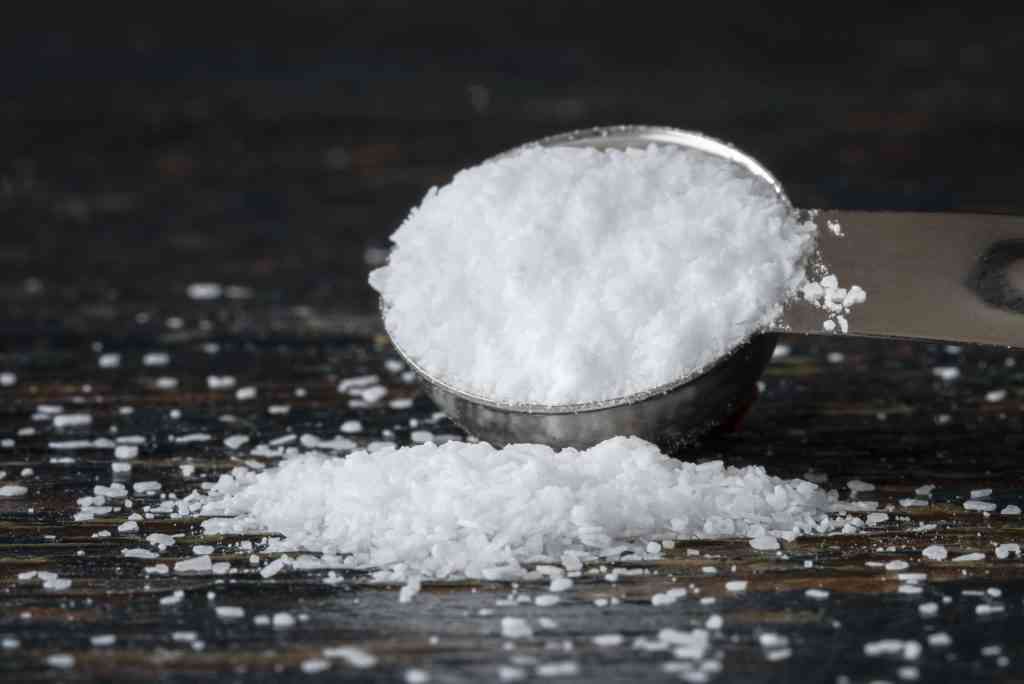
<point>433,510</point>
<point>566,275</point>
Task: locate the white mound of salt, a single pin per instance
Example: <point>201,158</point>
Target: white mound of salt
<point>462,509</point>
<point>565,275</point>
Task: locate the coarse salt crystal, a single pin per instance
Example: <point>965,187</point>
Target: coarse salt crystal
<point>765,543</point>
<point>515,628</point>
<point>66,420</point>
<point>1004,551</point>
<point>969,557</point>
<point>351,655</point>
<point>199,564</point>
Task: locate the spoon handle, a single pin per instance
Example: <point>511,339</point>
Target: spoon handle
<point>929,276</point>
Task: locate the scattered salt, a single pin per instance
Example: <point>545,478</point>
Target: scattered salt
<point>765,543</point>
<point>199,564</point>
<point>61,661</point>
<point>1004,551</point>
<point>350,655</point>
<point>66,420</point>
<point>515,628</point>
<point>969,557</point>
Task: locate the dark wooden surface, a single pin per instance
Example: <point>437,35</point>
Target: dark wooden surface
<point>141,155</point>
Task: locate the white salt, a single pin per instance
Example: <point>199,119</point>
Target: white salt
<point>199,564</point>
<point>969,558</point>
<point>230,612</point>
<point>515,628</point>
<point>66,420</point>
<point>13,490</point>
<point>564,275</point>
<point>1004,551</point>
<point>473,510</point>
<point>61,661</point>
<point>936,552</point>
<point>765,543</point>
<point>351,655</point>
<point>154,359</point>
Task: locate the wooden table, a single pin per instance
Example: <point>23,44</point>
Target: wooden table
<point>146,161</point>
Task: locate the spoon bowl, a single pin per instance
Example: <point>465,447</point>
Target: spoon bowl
<point>670,414</point>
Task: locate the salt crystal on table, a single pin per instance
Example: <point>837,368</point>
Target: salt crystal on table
<point>1004,551</point>
<point>219,382</point>
<point>416,676</point>
<point>235,441</point>
<point>61,661</point>
<point>632,209</point>
<point>103,640</point>
<point>314,665</point>
<point>13,490</point>
<point>66,420</point>
<point>1011,510</point>
<point>350,655</point>
<point>350,427</point>
<point>736,585</point>
<point>409,590</point>
<point>858,486</point>
<point>199,564</point>
<point>245,393</point>
<point>946,373</point>
<point>817,594</point>
<point>272,568</point>
<point>546,600</point>
<point>565,668</point>
<point>669,597</point>
<point>173,599</point>
<point>765,543</point>
<point>229,612</point>
<point>969,557</point>
<point>8,379</point>
<point>282,620</point>
<point>560,584</point>
<point>515,628</point>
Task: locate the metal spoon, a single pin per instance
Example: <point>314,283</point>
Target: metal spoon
<point>929,276</point>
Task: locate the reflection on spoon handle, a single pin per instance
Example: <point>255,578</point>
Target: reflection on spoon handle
<point>932,276</point>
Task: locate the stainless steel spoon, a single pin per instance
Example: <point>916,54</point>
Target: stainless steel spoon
<point>929,276</point>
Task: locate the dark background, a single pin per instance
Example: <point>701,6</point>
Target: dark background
<point>275,146</point>
<point>293,134</point>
